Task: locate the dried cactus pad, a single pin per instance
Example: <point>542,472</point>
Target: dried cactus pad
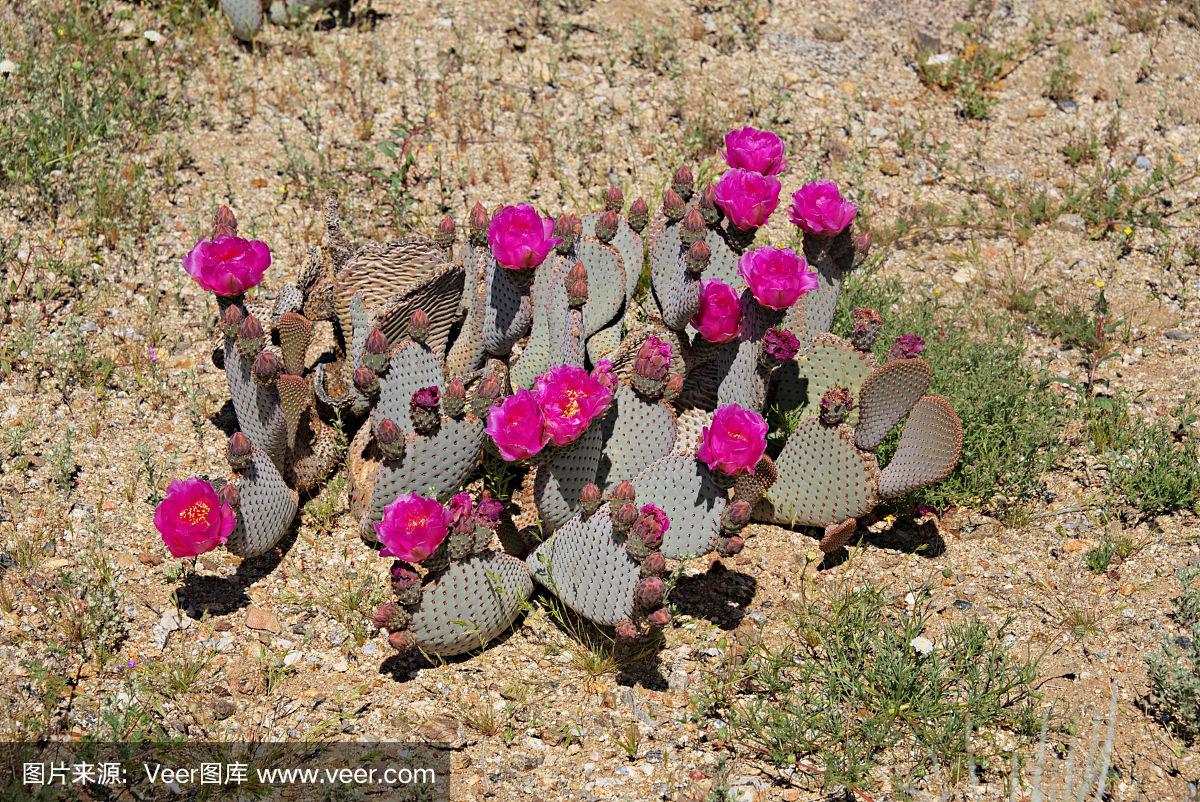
<point>471,603</point>
<point>266,507</point>
<point>436,295</point>
<point>823,478</point>
<point>929,448</point>
<point>381,272</point>
<point>682,488</point>
<point>886,397</point>
<point>585,566</point>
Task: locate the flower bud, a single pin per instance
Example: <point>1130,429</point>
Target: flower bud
<point>626,517</point>
<point>366,381</point>
<point>862,246</point>
<point>648,593</point>
<point>403,577</point>
<point>589,498</point>
<point>391,617</point>
<point>444,236</point>
<point>673,387</point>
<point>697,257</point>
<point>654,564</point>
<point>864,332</point>
<point>375,351</point>
<point>736,516</point>
<point>673,206</point>
<point>621,494</point>
<point>251,337</point>
<point>486,393</point>
<point>402,641</point>
<point>238,451</point>
<point>390,439</point>
<point>613,199</point>
<point>224,223</point>
<point>729,546</point>
<point>626,630</point>
<point>478,225</point>
<point>709,209</point>
<point>693,228</point>
<point>568,228</point>
<point>229,494</point>
<point>836,405</point>
<point>231,321</point>
<point>683,183</point>
<point>606,226</point>
<point>455,398</point>
<point>418,326</point>
<point>659,618</point>
<point>639,215</point>
<point>423,410</point>
<point>266,368</point>
<point>577,286</point>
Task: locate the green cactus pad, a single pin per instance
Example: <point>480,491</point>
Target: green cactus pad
<point>509,310</point>
<point>551,322</point>
<point>381,272</point>
<point>604,343</point>
<point>690,427</point>
<point>636,432</point>
<point>832,258</point>
<point>295,398</point>
<point>606,284</point>
<point>471,603</point>
<point>266,507</point>
<point>245,17</point>
<point>411,368</point>
<point>586,566</point>
<point>436,465</point>
<point>886,397</point>
<point>295,334</point>
<point>682,488</point>
<point>558,481</point>
<point>318,452</point>
<point>438,296</point>
<point>259,414</point>
<point>723,263</point>
<point>332,389</point>
<point>628,244</point>
<point>830,362</point>
<point>823,478</point>
<point>929,448</point>
<point>467,354</point>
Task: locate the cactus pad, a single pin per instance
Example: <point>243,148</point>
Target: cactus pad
<point>509,310</point>
<point>258,411</point>
<point>266,507</point>
<point>823,478</point>
<point>381,272</point>
<point>588,567</point>
<point>245,17</point>
<point>682,488</point>
<point>470,603</point>
<point>636,432</point>
<point>830,362</point>
<point>411,368</point>
<point>628,244</point>
<point>929,448</point>
<point>886,397</point>
<point>559,480</point>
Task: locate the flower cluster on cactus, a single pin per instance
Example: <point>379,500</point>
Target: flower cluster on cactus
<point>630,412</point>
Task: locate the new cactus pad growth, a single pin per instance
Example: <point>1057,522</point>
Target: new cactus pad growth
<point>633,419</point>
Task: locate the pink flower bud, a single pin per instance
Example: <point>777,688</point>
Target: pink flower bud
<point>604,373</point>
<point>718,316</point>
<point>625,517</point>
<point>693,228</point>
<point>412,528</point>
<point>520,238</point>
<point>747,199</point>
<point>455,399</point>
<point>418,326</point>
<point>366,381</point>
<point>229,494</point>
<point>639,215</point>
<point>192,518</point>
<point>836,405</point>
<point>649,592</point>
<point>708,205</point>
<point>613,199</point>
<point>697,257</point>
<point>266,368</point>
<point>683,182</point>
<point>224,223</point>
<point>673,206</point>
<point>736,515</point>
<point>606,226</point>
<point>462,513</point>
<point>777,277</point>
<point>655,564</point>
<point>238,451</point>
<point>402,641</point>
<point>377,342</point>
<point>444,236</point>
<point>589,498</point>
<point>626,630</point>
<point>754,150</point>
<point>659,618</point>
<point>673,387</point>
<point>426,398</point>
<point>734,442</point>
<point>478,224</point>
<point>577,286</point>
<point>819,209</point>
<point>231,321</point>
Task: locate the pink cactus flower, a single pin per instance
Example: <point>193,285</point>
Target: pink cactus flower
<point>780,344</point>
<point>412,528</point>
<point>516,426</point>
<point>570,400</point>
<point>192,518</point>
<point>718,316</point>
<point>820,209</point>
<point>488,511</point>
<point>228,265</point>
<point>520,238</point>
<point>755,150</point>
<point>777,277</point>
<point>604,373</point>
<point>659,516</point>
<point>907,346</point>
<point>747,198</point>
<point>734,442</point>
<point>462,512</point>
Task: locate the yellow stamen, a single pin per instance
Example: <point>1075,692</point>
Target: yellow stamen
<point>197,513</point>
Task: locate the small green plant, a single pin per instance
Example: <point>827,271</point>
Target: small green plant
<point>63,462</point>
<point>628,740</point>
<point>859,682</point>
<point>1062,80</point>
<point>1161,472</point>
<point>1174,670</point>
<point>1119,548</point>
<point>1081,148</point>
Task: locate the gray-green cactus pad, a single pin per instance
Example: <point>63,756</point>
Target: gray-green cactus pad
<point>259,414</point>
<point>245,17</point>
<point>467,353</point>
<point>636,432</point>
<point>886,397</point>
<point>929,448</point>
<point>830,362</point>
<point>823,478</point>
<point>628,244</point>
<point>606,284</point>
<point>509,310</point>
<point>558,481</point>
<point>551,323</point>
<point>682,488</point>
<point>723,262</point>
<point>831,258</point>
<point>411,368</point>
<point>676,291</point>
<point>471,603</point>
<point>689,426</point>
<point>588,568</point>
<point>266,507</point>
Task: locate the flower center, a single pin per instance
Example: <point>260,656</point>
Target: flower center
<point>196,513</point>
<point>737,435</point>
<point>572,406</point>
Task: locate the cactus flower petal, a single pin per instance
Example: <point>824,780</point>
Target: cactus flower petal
<point>520,238</point>
<point>570,399</point>
<point>758,151</point>
<point>819,209</point>
<point>718,316</point>
<point>228,265</point>
<point>516,426</point>
<point>192,518</point>
<point>734,442</point>
<point>777,277</point>
<point>412,528</point>
<point>747,198</point>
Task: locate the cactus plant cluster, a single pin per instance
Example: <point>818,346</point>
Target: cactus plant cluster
<point>636,418</point>
<point>246,16</point>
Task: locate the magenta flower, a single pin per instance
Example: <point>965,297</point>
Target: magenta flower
<point>659,516</point>
<point>754,150</point>
<point>488,511</point>
<point>604,373</point>
<point>192,518</point>
<point>747,198</point>
<point>228,265</point>
<point>520,238</point>
<point>777,277</point>
<point>780,344</point>
<point>718,316</point>
<point>734,442</point>
<point>570,399</point>
<point>461,511</point>
<point>412,528</point>
<point>516,426</point>
<point>906,346</point>
<point>820,209</point>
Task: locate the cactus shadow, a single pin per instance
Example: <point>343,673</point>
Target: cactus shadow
<point>225,418</point>
<point>404,667</point>
<point>719,595</point>
<point>218,596</point>
<point>910,537</point>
